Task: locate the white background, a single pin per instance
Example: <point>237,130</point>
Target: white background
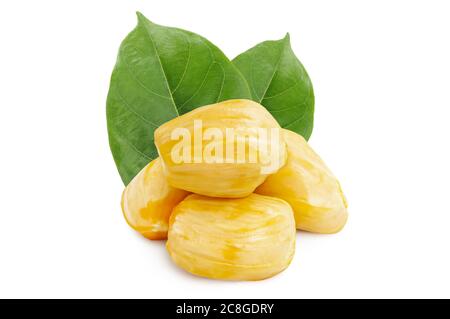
<point>381,72</point>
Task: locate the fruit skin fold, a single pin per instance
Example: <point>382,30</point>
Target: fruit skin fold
<point>309,187</point>
<point>250,238</point>
<point>229,179</point>
<point>148,201</point>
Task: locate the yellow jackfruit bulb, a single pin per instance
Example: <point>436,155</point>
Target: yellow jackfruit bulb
<point>249,238</point>
<point>221,150</point>
<point>309,187</point>
<point>148,200</point>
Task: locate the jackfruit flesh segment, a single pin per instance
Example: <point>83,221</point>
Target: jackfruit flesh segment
<point>250,238</point>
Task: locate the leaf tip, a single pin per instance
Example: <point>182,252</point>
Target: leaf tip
<point>139,15</point>
<point>141,18</point>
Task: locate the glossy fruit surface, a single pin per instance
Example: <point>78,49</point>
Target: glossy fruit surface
<point>148,200</point>
<point>223,139</point>
<point>307,184</point>
<point>249,238</point>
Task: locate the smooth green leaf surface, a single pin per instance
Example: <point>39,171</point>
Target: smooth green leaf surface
<point>161,73</point>
<point>279,81</point>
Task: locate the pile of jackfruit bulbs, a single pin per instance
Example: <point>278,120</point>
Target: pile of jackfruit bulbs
<point>233,220</point>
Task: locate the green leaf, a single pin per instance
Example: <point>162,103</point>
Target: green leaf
<point>161,73</point>
<point>279,81</point>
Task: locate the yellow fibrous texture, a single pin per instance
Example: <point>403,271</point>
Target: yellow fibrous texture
<point>249,238</point>
<point>309,187</point>
<point>215,165</point>
<point>148,201</point>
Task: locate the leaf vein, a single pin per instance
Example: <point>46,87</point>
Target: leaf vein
<point>128,68</point>
<point>186,66</point>
<point>128,106</point>
<point>273,74</point>
<point>282,92</point>
<point>199,88</point>
<point>162,69</point>
<point>304,111</point>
